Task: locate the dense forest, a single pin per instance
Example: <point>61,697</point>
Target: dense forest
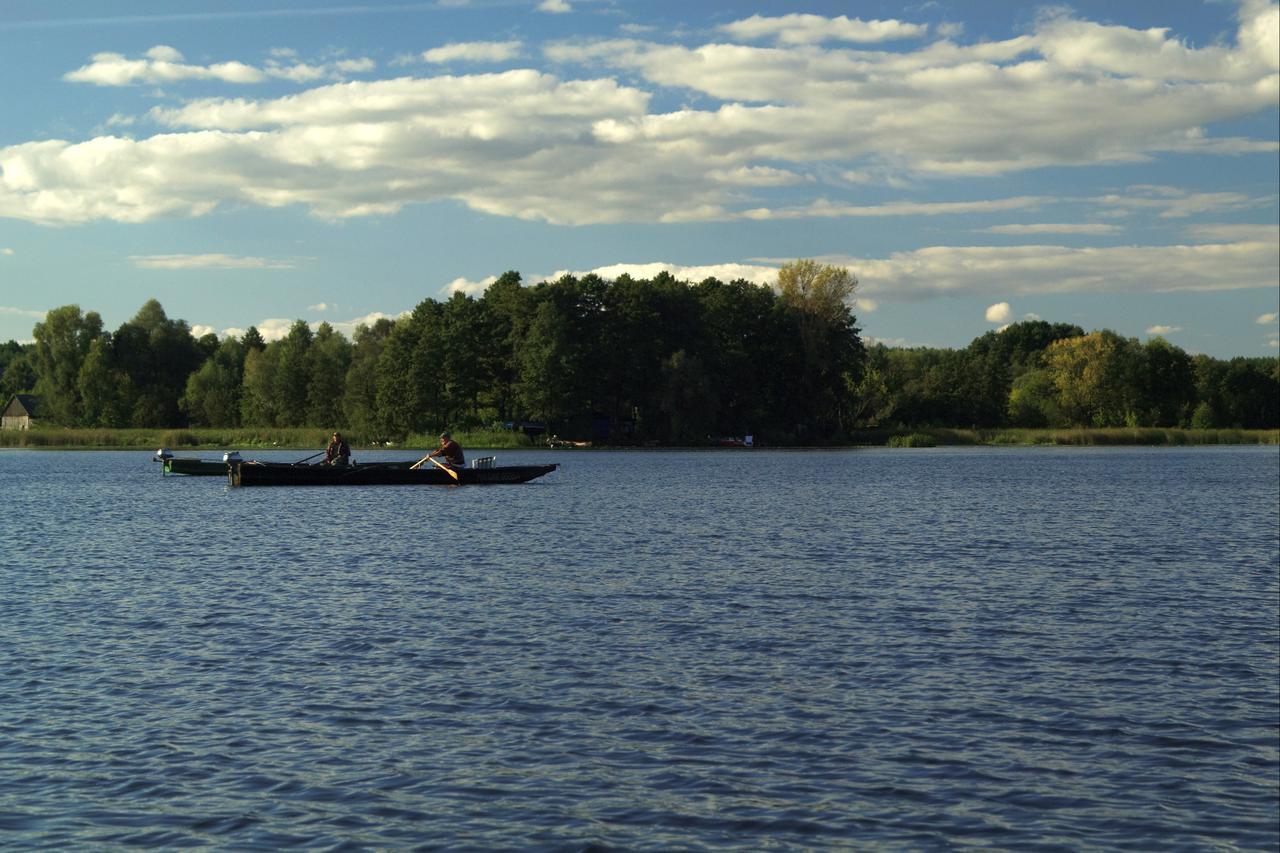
<point>626,361</point>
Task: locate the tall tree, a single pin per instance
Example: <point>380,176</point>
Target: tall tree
<point>293,377</point>
<point>329,358</point>
<point>62,343</point>
<point>213,392</point>
<point>259,403</point>
<point>157,354</point>
<point>360,386</point>
<point>818,298</point>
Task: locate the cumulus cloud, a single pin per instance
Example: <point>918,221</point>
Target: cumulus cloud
<point>531,145</point>
<point>1175,203</point>
<point>999,313</point>
<point>1234,233</point>
<point>823,208</point>
<point>22,312</point>
<point>475,51</point>
<point>199,330</point>
<point>948,270</point>
<point>1163,330</point>
<point>471,288</point>
<point>754,273</point>
<point>814,29</point>
<point>554,7</point>
<point>1052,228</point>
<point>163,64</point>
<point>6,251</point>
<point>206,261</point>
<point>1267,319</point>
<point>273,328</point>
<point>319,306</point>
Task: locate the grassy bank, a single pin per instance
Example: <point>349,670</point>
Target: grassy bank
<point>316,438</point>
<point>241,437</point>
<point>1118,436</point>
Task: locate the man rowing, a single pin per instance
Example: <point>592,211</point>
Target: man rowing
<point>450,451</point>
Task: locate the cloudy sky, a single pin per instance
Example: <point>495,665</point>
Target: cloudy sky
<point>1113,165</point>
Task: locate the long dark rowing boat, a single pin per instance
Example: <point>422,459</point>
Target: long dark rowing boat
<point>252,473</point>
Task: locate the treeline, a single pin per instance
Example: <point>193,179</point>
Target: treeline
<point>626,361</point>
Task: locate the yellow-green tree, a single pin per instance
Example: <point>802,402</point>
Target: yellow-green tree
<point>1092,374</point>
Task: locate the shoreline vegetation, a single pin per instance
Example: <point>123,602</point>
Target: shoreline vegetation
<point>302,439</point>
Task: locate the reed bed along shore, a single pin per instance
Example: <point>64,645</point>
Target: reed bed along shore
<point>300,438</point>
<point>1077,437</point>
<point>53,438</point>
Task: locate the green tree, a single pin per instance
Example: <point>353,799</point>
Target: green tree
<point>1033,401</point>
<point>832,353</point>
<point>547,368</point>
<point>213,392</point>
<point>157,354</point>
<point>259,404</point>
<point>1094,377</point>
<point>360,386</point>
<point>329,359</point>
<point>506,316</point>
<point>18,374</point>
<point>62,342</point>
<point>106,393</point>
<point>462,329</point>
<point>293,378</point>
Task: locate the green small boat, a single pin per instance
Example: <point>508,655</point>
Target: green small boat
<point>190,465</point>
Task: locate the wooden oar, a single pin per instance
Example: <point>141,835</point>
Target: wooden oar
<point>309,458</point>
<point>448,468</point>
<point>432,460</point>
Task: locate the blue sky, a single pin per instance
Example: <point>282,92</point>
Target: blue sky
<point>1113,165</point>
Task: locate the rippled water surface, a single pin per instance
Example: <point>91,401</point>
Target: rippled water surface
<point>751,650</point>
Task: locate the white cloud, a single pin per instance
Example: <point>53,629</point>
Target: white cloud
<point>756,274</point>
<point>273,329</point>
<point>199,331</point>
<point>946,270</point>
<point>475,51</point>
<point>533,146</point>
<point>471,288</point>
<point>554,7</point>
<point>823,208</point>
<point>163,64</point>
<point>1052,228</point>
<point>22,312</point>
<point>1267,319</point>
<point>814,29</point>
<point>206,261</point>
<point>1163,330</point>
<point>1175,203</point>
<point>348,327</point>
<point>999,313</point>
<point>1234,233</point>
<point>6,251</point>
<point>319,306</point>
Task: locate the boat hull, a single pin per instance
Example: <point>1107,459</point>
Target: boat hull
<point>195,467</point>
<point>391,474</point>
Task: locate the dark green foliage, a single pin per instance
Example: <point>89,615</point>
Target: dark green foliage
<point>632,361</point>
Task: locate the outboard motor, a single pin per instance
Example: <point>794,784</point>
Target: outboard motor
<point>231,457</point>
<point>163,455</point>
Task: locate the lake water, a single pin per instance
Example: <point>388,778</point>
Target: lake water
<point>1009,648</point>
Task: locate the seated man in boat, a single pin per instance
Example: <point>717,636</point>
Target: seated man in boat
<point>338,452</point>
<point>450,451</point>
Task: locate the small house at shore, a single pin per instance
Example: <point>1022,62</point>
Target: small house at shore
<point>20,413</point>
